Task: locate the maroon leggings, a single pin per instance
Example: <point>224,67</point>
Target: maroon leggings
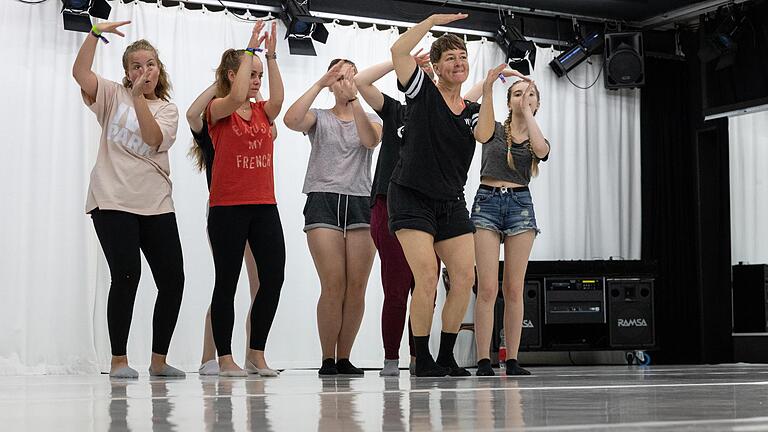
<point>396,278</point>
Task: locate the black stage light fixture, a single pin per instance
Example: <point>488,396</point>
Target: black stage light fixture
<point>302,27</point>
<point>520,53</point>
<point>576,54</point>
<point>77,13</point>
<point>721,44</point>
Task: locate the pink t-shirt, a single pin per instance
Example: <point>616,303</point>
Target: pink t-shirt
<point>129,175</point>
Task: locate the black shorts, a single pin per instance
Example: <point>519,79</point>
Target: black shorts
<point>336,211</point>
<point>411,209</point>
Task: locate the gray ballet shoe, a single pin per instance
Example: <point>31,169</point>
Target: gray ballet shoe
<point>168,372</point>
<point>124,372</point>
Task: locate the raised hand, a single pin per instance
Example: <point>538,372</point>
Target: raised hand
<point>527,103</point>
<point>347,88</point>
<point>513,73</point>
<point>256,37</point>
<point>271,38</point>
<point>141,85</point>
<point>493,74</point>
<point>419,58</point>
<point>443,19</point>
<point>111,27</point>
<point>331,76</point>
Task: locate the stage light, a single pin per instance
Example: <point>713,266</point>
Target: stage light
<point>721,44</point>
<point>302,27</point>
<point>520,53</point>
<point>77,13</point>
<point>573,56</point>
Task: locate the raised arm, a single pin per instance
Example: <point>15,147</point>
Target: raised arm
<point>81,69</point>
<point>486,123</point>
<point>225,106</point>
<point>298,117</point>
<point>195,111</point>
<point>364,79</point>
<point>369,132</point>
<point>536,137</point>
<point>364,82</point>
<point>276,91</point>
<point>475,92</point>
<point>401,50</point>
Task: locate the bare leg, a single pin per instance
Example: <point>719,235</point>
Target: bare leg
<point>487,248</point>
<point>360,252</point>
<point>328,251</point>
<point>517,249</point>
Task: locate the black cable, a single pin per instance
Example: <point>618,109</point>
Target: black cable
<point>591,85</point>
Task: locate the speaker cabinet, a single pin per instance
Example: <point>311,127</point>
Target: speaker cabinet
<point>624,61</point>
<point>630,313</point>
<point>750,298</point>
<point>531,335</point>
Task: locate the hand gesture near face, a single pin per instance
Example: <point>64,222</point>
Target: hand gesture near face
<point>331,76</point>
<point>347,88</point>
<point>529,102</point>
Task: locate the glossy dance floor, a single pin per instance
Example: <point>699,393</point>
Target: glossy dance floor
<point>695,398</point>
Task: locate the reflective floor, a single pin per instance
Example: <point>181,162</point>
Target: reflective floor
<point>695,398</point>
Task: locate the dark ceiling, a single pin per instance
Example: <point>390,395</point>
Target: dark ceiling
<point>622,10</point>
<point>410,10</point>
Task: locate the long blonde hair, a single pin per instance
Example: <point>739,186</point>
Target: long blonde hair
<point>508,134</point>
<point>196,154</point>
<point>163,87</point>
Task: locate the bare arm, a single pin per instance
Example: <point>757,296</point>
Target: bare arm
<point>298,117</point>
<point>276,90</point>
<point>364,81</point>
<point>401,50</point>
<point>535,136</point>
<point>369,133</point>
<point>82,68</point>
<point>197,108</point>
<point>486,123</point>
<point>475,92</point>
<point>238,94</point>
<point>150,130</point>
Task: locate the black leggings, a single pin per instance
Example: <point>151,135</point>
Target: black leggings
<point>228,229</point>
<point>122,235</point>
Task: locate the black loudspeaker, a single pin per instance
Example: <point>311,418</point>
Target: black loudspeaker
<point>630,313</point>
<point>750,298</point>
<point>531,335</point>
<point>624,62</point>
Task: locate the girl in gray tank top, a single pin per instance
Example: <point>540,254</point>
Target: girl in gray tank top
<point>503,213</point>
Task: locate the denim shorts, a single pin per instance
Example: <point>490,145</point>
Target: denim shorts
<point>507,211</point>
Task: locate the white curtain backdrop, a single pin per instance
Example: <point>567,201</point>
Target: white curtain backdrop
<point>748,141</point>
<point>54,278</point>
